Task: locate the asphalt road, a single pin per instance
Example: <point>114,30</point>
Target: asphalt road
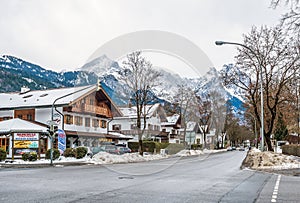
<point>205,178</point>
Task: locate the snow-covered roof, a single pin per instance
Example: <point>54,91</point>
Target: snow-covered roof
<point>131,112</point>
<point>19,125</point>
<point>171,120</point>
<point>121,136</point>
<point>42,98</point>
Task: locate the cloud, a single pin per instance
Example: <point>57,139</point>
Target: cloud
<point>62,34</point>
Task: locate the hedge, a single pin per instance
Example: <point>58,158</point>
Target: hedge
<point>80,152</point>
<point>148,146</point>
<point>56,154</point>
<point>291,150</point>
<point>29,156</point>
<point>70,152</point>
<point>2,154</point>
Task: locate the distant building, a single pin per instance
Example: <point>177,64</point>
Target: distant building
<point>126,124</point>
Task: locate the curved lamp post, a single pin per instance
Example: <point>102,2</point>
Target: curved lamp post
<point>219,43</point>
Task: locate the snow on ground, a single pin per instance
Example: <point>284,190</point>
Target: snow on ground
<point>106,158</point>
<point>197,152</point>
<point>270,160</point>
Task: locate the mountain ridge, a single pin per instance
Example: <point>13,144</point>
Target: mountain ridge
<point>15,73</point>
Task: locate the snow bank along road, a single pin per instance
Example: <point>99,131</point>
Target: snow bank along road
<point>203,178</point>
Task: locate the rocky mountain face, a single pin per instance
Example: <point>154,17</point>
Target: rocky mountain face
<point>15,73</point>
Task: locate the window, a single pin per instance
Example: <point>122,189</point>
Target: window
<point>91,102</point>
<point>133,126</point>
<point>95,123</point>
<point>78,120</point>
<point>68,119</point>
<point>103,124</point>
<point>116,127</point>
<point>20,116</point>
<point>29,117</point>
<point>87,122</point>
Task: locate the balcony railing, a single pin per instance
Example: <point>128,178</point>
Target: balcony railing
<point>84,108</point>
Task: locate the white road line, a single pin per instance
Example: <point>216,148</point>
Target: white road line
<point>275,191</point>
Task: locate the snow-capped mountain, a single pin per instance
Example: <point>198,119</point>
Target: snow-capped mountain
<point>15,73</point>
<point>110,73</point>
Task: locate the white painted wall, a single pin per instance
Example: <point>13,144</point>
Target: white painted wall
<point>8,113</point>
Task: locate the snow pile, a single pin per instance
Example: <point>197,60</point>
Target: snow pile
<point>270,160</point>
<point>61,159</point>
<point>187,152</point>
<point>106,158</point>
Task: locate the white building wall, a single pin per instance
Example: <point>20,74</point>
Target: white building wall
<point>8,113</point>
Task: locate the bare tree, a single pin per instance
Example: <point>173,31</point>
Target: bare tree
<point>218,112</point>
<point>291,18</point>
<point>204,114</point>
<point>278,57</point>
<point>140,78</point>
<point>187,101</point>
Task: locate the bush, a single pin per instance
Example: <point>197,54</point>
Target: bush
<point>32,156</point>
<point>56,154</point>
<point>134,146</point>
<point>148,146</point>
<point>69,152</point>
<point>80,152</point>
<point>2,154</point>
<point>196,146</point>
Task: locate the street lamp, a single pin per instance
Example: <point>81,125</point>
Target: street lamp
<point>219,43</point>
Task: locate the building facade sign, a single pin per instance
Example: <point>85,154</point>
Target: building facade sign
<point>26,136</point>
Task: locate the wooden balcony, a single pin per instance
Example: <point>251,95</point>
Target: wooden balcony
<point>85,108</point>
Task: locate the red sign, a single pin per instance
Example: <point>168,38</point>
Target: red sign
<point>26,136</point>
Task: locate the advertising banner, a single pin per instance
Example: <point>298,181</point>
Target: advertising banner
<point>61,136</point>
<point>26,136</point>
<point>24,144</point>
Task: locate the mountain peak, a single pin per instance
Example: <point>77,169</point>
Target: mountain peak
<point>100,65</point>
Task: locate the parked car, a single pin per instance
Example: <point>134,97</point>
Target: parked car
<point>112,149</point>
<point>229,148</point>
<point>96,150</point>
<point>124,150</point>
<point>242,149</point>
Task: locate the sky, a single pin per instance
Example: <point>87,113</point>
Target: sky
<point>63,34</point>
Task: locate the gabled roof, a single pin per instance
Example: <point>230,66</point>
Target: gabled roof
<point>42,98</point>
<point>45,98</point>
<point>19,125</point>
<point>131,112</point>
<point>171,120</point>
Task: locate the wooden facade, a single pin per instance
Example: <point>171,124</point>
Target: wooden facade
<point>25,114</point>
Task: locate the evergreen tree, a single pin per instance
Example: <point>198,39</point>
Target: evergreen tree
<point>281,130</point>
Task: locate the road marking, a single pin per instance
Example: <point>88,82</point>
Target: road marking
<point>275,191</point>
